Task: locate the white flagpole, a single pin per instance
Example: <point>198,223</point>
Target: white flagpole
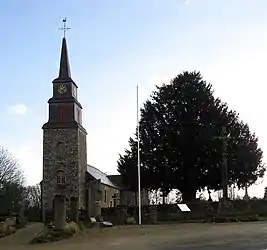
<point>138,162</point>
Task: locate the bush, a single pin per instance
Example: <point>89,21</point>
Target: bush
<point>72,228</point>
<point>244,218</point>
<point>50,234</point>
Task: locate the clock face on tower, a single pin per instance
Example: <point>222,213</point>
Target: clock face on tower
<point>62,89</point>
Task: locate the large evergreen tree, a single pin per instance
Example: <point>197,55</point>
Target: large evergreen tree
<point>179,149</point>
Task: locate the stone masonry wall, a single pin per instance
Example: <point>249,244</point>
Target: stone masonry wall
<point>110,191</point>
<point>131,198</point>
<point>200,211</point>
<point>66,159</point>
<point>82,154</point>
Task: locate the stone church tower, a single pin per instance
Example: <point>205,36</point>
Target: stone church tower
<point>64,144</point>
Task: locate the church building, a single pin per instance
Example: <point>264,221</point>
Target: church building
<point>66,174</point>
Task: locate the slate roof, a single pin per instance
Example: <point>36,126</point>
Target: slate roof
<point>117,180</point>
<point>64,68</point>
<point>97,174</point>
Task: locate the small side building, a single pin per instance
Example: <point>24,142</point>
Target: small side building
<point>109,190</point>
<point>128,197</point>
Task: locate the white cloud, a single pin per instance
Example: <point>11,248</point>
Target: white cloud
<point>19,109</point>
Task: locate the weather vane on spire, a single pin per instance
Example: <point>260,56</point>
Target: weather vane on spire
<point>64,28</point>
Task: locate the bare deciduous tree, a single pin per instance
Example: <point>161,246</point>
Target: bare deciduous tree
<point>33,196</point>
<point>10,171</point>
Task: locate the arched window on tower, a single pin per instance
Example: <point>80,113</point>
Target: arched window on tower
<point>61,177</point>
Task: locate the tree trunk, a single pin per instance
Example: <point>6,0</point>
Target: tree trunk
<point>209,195</point>
<point>188,195</point>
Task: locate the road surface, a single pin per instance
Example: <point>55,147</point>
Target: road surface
<point>234,236</point>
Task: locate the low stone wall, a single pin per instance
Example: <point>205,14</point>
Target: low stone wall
<point>117,215</point>
<point>199,210</point>
<point>8,226</point>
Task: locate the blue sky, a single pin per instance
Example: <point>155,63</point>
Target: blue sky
<point>115,45</point>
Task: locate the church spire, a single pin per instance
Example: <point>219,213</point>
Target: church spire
<point>64,69</point>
